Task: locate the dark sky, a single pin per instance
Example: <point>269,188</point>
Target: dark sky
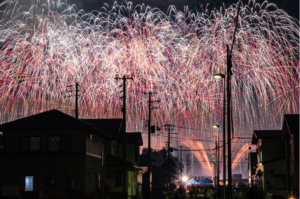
<point>290,6</point>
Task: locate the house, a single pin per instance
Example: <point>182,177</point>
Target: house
<point>52,155</point>
<point>252,162</point>
<point>290,135</point>
<point>271,164</point>
<point>114,158</point>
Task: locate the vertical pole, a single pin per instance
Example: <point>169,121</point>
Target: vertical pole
<point>124,78</point>
<point>169,154</point>
<point>224,143</point>
<point>76,101</point>
<point>216,165</point>
<point>164,163</point>
<point>181,161</point>
<point>229,64</point>
<point>124,138</point>
<point>218,155</point>
<point>149,145</point>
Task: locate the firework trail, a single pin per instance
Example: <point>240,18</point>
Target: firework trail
<point>47,47</point>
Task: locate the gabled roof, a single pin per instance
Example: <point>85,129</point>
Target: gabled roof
<point>290,124</point>
<point>112,127</point>
<point>265,134</point>
<point>47,120</point>
<point>134,138</point>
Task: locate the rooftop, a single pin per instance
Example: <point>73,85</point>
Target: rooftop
<point>265,134</point>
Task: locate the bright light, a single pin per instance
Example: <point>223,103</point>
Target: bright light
<point>219,76</point>
<point>260,164</point>
<point>184,179</point>
<point>215,126</point>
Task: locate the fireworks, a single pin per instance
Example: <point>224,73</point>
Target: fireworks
<point>45,49</point>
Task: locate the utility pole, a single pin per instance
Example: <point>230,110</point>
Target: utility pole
<point>229,115</point>
<point>216,168</point>
<point>181,162</point>
<point>76,98</point>
<point>164,162</point>
<point>76,101</point>
<point>150,128</point>
<point>168,127</point>
<point>229,66</point>
<point>124,78</point>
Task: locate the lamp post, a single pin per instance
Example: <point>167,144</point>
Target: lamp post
<point>217,154</point>
<point>222,76</point>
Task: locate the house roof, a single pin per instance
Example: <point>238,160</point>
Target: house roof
<point>113,127</point>
<point>52,119</point>
<point>265,134</point>
<point>290,124</point>
<point>134,138</point>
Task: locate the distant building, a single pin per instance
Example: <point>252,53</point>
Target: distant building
<point>271,167</point>
<point>51,155</point>
<point>278,158</point>
<point>290,135</point>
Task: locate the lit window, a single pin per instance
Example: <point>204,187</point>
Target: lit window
<point>53,144</point>
<point>35,143</point>
<point>98,184</point>
<point>28,183</point>
<point>30,144</point>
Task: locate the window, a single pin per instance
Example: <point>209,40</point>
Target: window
<point>71,184</point>
<point>35,143</point>
<point>50,182</point>
<point>59,143</point>
<point>98,181</point>
<point>30,144</point>
<point>118,178</point>
<point>28,183</point>
<point>53,144</point>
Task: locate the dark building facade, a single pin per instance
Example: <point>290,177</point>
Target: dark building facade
<point>252,161</point>
<point>290,135</point>
<point>51,155</point>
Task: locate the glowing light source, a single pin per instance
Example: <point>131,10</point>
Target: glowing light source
<point>219,76</point>
<point>184,178</point>
<point>215,126</point>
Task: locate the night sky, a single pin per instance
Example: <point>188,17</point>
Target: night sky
<point>290,6</point>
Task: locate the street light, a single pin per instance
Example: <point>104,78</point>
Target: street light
<point>219,76</point>
<point>184,179</point>
<point>222,76</point>
<point>218,154</point>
